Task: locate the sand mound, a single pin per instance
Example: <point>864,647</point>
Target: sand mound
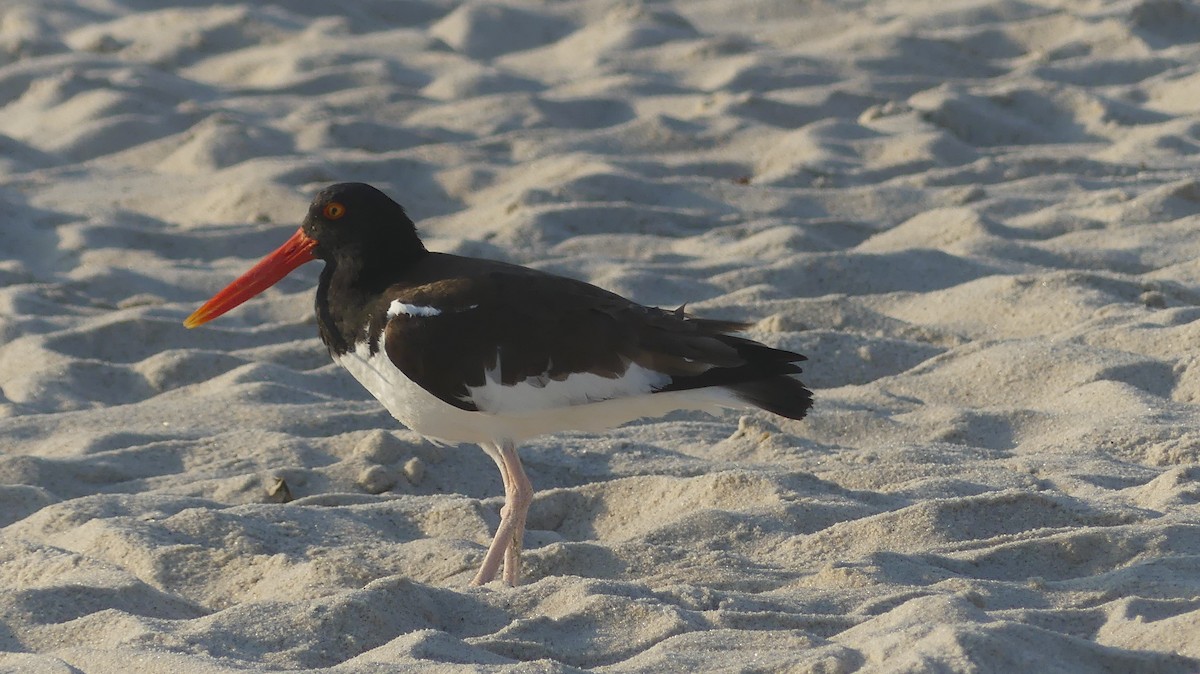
<point>977,220</point>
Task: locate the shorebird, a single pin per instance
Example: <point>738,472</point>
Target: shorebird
<point>463,349</point>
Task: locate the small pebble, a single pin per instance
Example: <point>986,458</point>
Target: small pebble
<point>414,471</point>
<point>278,492</point>
<point>377,479</point>
<point>1154,299</point>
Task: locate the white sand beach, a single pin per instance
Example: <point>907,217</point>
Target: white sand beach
<point>978,219</point>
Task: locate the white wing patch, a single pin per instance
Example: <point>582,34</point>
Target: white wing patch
<point>397,307</point>
<point>541,392</point>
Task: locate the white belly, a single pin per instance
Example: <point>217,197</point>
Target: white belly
<point>546,410</point>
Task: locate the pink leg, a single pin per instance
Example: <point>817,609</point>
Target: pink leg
<point>518,494</point>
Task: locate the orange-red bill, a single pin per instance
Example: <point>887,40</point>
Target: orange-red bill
<point>295,252</point>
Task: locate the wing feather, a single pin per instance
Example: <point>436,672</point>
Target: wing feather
<point>558,327</point>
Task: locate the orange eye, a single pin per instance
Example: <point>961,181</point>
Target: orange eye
<point>333,210</point>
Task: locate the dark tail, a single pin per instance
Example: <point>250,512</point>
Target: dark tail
<point>700,353</point>
<point>780,395</point>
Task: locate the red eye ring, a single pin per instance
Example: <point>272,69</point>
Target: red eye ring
<point>333,210</point>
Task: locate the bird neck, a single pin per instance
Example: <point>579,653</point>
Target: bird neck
<point>350,301</point>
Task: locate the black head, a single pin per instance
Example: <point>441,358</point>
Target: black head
<point>362,235</point>
<point>358,220</point>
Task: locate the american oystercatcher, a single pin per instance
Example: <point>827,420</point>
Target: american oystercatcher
<point>464,349</point>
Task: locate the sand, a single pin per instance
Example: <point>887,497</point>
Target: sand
<point>978,219</point>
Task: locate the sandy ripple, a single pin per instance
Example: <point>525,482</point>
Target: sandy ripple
<point>976,218</point>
